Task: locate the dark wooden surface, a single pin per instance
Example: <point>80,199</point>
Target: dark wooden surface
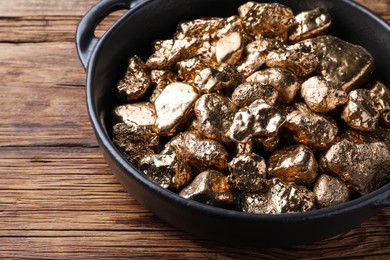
<point>58,198</point>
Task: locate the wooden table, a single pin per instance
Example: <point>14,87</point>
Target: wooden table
<point>58,198</point>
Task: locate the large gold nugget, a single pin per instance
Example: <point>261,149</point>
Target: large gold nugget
<point>310,24</point>
<point>143,114</point>
<point>248,92</point>
<point>294,164</point>
<point>135,82</point>
<point>269,20</point>
<point>360,166</point>
<point>258,119</point>
<point>211,80</point>
<point>311,129</point>
<point>247,172</point>
<point>255,53</point>
<point>285,82</point>
<point>168,52</point>
<point>170,171</point>
<point>360,112</point>
<point>344,63</point>
<point>229,48</point>
<point>173,107</point>
<point>330,191</point>
<point>278,197</point>
<point>321,95</point>
<point>160,79</point>
<point>205,29</point>
<point>300,58</point>
<point>210,187</point>
<point>203,153</point>
<point>134,141</point>
<point>214,114</point>
<point>380,95</point>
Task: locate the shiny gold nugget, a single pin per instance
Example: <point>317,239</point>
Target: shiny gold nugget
<point>314,130</point>
<point>229,48</point>
<point>258,119</point>
<point>160,79</point>
<point>344,63</point>
<point>211,80</point>
<point>278,197</point>
<point>269,20</point>
<point>247,172</point>
<point>380,95</point>
<point>361,166</point>
<point>135,82</point>
<point>330,191</point>
<point>360,112</point>
<point>203,153</point>
<point>173,107</point>
<point>188,69</point>
<point>143,114</point>
<point>310,24</point>
<point>248,92</point>
<point>294,164</point>
<point>210,187</point>
<point>321,95</point>
<point>285,82</point>
<point>214,114</point>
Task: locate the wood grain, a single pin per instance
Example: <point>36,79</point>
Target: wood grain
<point>58,198</point>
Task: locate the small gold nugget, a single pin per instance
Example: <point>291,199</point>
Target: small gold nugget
<point>359,165</point>
<point>278,197</point>
<point>170,171</point>
<point>321,95</point>
<point>134,141</point>
<point>135,82</point>
<point>161,79</point>
<point>173,107</point>
<point>380,95</point>
<point>310,24</point>
<point>294,164</point>
<point>210,187</point>
<point>211,80</point>
<point>188,69</point>
<point>269,20</point>
<point>330,191</point>
<point>360,112</point>
<point>143,114</point>
<point>344,63</point>
<point>285,82</point>
<point>214,114</point>
<point>203,153</point>
<point>248,92</point>
<point>311,129</point>
<point>258,119</point>
<point>229,48</point>
<point>247,172</point>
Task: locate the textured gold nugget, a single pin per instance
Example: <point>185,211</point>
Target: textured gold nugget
<point>285,82</point>
<point>269,20</point>
<point>258,119</point>
<point>278,197</point>
<point>330,191</point>
<point>247,172</point>
<point>321,95</point>
<point>248,92</point>
<point>135,82</point>
<point>214,114</point>
<point>309,24</point>
<point>211,80</point>
<point>380,95</point>
<point>188,69</point>
<point>143,114</point>
<point>173,106</point>
<point>360,112</point>
<point>210,187</point>
<point>229,48</point>
<point>294,164</point>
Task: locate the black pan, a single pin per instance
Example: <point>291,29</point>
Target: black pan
<point>105,61</point>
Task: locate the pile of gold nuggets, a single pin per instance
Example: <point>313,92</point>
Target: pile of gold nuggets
<point>260,112</point>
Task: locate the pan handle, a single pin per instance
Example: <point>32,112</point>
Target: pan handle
<point>86,40</point>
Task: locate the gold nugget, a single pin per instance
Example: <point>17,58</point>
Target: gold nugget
<point>229,48</point>
<point>135,82</point>
<point>173,107</point>
<point>380,95</point>
<point>160,79</point>
<point>248,92</point>
<point>330,191</point>
<point>143,114</point>
<point>211,80</point>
